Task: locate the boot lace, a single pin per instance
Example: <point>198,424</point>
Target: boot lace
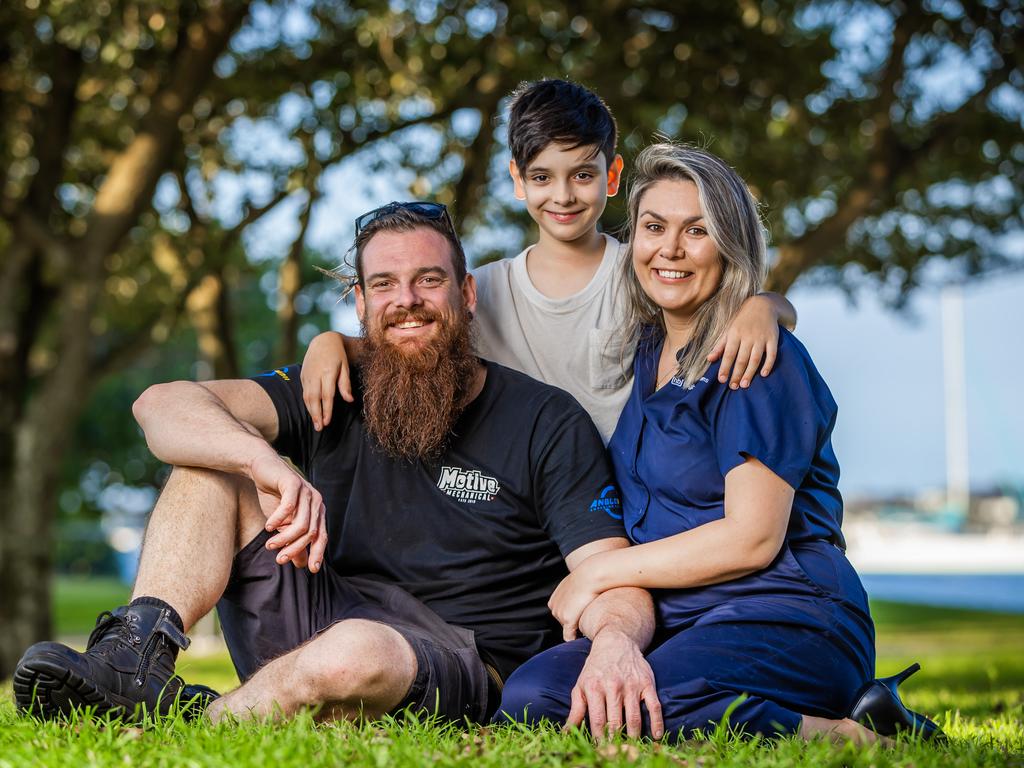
<point>124,629</point>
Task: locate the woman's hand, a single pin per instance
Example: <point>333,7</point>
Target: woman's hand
<point>752,336</point>
<point>571,598</point>
<point>324,369</point>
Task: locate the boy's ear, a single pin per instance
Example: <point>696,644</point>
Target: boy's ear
<point>614,175</point>
<point>517,181</point>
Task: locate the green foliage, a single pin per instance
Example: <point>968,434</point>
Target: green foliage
<point>787,91</point>
<point>808,99</point>
<point>83,550</point>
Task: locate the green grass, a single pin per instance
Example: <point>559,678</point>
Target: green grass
<point>77,601</point>
<point>973,679</point>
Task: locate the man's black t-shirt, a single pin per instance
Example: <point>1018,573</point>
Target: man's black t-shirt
<point>480,534</point>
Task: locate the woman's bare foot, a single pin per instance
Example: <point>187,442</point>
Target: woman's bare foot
<point>840,731</point>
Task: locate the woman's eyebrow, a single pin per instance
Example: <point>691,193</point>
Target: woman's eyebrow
<point>659,217</point>
<point>652,214</point>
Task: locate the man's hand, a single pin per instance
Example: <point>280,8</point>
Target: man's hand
<point>752,336</point>
<point>325,368</point>
<point>619,619</point>
<point>294,509</point>
<point>571,598</point>
<point>614,682</point>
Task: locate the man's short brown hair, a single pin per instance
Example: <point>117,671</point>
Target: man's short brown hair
<point>406,220</point>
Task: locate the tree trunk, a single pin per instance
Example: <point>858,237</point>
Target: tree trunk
<point>471,188</point>
<point>290,282</point>
<point>26,565</point>
<point>39,438</point>
<point>209,314</point>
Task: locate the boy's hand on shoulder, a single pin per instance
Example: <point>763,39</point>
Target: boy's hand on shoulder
<point>750,341</point>
<point>324,369</point>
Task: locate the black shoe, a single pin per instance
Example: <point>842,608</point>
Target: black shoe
<point>879,708</point>
<point>194,698</point>
<point>127,669</point>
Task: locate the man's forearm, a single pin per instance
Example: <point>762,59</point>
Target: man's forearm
<point>187,425</point>
<point>628,610</point>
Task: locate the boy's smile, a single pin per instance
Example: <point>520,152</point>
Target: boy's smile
<point>566,190</point>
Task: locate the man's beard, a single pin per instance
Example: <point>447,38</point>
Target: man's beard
<point>413,395</point>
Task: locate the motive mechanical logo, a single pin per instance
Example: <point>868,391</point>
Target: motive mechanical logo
<point>468,485</point>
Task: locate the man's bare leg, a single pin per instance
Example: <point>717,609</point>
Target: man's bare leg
<point>354,668</point>
<point>202,517</point>
<point>128,667</point>
<point>209,516</point>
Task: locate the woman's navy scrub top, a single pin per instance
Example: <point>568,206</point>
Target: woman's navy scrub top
<point>672,450</point>
<point>763,650</point>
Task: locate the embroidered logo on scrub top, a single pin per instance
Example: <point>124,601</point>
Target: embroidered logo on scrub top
<point>468,485</point>
<point>677,382</point>
<point>608,502</point>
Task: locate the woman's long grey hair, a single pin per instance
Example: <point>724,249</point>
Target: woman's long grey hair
<point>732,220</point>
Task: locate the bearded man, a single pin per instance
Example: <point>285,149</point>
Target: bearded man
<point>401,557</point>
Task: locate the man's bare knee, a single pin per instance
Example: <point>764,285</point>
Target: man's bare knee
<point>357,664</point>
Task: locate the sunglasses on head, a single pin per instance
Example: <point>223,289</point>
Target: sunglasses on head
<point>431,211</point>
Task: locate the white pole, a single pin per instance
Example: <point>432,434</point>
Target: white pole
<point>954,376</point>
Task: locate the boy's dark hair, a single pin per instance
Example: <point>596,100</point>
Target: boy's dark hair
<point>547,112</point>
<point>402,219</point>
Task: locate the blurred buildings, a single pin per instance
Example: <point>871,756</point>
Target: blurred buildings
<point>925,534</point>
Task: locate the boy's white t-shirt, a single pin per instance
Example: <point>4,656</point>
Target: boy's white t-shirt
<point>571,343</point>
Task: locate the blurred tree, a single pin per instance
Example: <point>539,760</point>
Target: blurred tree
<point>143,138</point>
<point>119,126</point>
<point>880,137</point>
<point>93,97</point>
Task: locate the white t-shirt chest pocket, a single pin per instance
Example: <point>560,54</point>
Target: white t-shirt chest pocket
<point>609,365</point>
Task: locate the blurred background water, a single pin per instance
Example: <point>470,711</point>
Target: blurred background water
<point>994,592</point>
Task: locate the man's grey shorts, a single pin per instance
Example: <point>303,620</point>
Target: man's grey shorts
<point>269,609</point>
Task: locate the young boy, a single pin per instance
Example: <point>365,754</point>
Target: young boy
<point>554,311</point>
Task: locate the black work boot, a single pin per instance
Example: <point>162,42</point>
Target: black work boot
<point>127,669</point>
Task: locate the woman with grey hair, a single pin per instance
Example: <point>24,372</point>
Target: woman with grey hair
<point>729,496</point>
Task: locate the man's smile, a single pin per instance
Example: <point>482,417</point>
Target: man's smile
<point>402,326</point>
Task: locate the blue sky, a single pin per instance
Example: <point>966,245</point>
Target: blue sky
<point>886,372</point>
